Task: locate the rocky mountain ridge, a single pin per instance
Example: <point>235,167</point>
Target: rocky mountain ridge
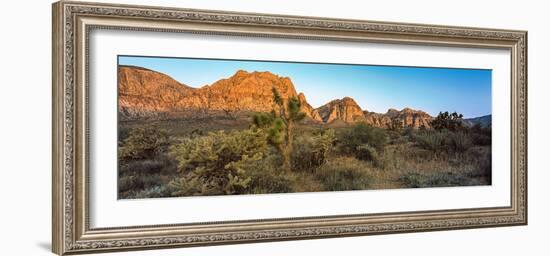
<point>145,93</point>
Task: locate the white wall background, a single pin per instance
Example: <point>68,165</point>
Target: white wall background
<point>25,140</point>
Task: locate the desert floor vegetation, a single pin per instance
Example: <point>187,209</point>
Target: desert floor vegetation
<point>158,159</point>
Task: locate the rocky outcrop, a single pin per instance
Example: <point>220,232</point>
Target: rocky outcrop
<point>253,91</point>
<point>312,113</point>
<point>345,109</point>
<point>150,94</point>
<point>146,91</point>
<point>412,118</point>
<point>406,118</point>
<point>377,119</point>
<point>348,111</point>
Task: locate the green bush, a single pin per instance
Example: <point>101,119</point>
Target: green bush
<point>361,139</point>
<point>443,140</point>
<point>481,139</point>
<point>480,135</point>
<point>143,143</point>
<point>216,164</point>
<point>448,121</point>
<point>366,152</point>
<point>265,177</point>
<point>344,174</point>
<point>481,159</point>
<point>136,174</point>
<point>157,191</point>
<point>311,151</point>
<point>134,182</point>
<point>430,140</point>
<point>459,141</point>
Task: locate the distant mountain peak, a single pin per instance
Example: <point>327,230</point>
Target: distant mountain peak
<point>484,121</point>
<point>345,109</point>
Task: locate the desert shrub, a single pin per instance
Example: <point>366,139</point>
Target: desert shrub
<point>394,136</point>
<point>396,125</point>
<point>146,181</point>
<point>129,185</point>
<point>153,192</point>
<point>311,151</point>
<point>123,133</point>
<point>443,140</point>
<point>480,139</point>
<point>157,191</point>
<point>480,135</point>
<point>143,174</point>
<point>216,164</point>
<point>361,139</point>
<point>418,154</point>
<point>481,160</point>
<point>430,140</point>
<point>141,166</point>
<point>126,183</point>
<point>344,173</point>
<point>409,131</point>
<point>265,177</point>
<point>443,179</point>
<point>458,141</point>
<point>143,143</point>
<point>366,152</point>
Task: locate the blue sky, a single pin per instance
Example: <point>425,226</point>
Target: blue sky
<point>375,88</point>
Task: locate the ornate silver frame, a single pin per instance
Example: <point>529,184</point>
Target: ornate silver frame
<point>72,22</point>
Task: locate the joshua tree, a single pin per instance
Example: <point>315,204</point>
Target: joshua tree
<point>396,125</point>
<point>444,120</point>
<point>280,125</point>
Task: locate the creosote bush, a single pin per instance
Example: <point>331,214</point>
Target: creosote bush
<point>143,163</point>
<point>312,151</point>
<point>143,143</point>
<point>417,180</point>
<point>363,141</point>
<point>344,173</point>
<point>443,140</point>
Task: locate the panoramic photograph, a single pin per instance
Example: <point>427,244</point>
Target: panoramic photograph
<point>208,127</point>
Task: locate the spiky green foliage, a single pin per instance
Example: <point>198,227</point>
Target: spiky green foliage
<point>280,124</point>
<point>448,121</point>
<point>294,112</point>
<point>143,162</point>
<point>264,120</point>
<point>443,140</point>
<point>344,173</point>
<point>363,141</point>
<point>143,143</point>
<point>312,151</point>
<point>216,164</point>
<point>277,97</point>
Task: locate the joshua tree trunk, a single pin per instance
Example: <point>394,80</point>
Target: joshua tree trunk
<point>287,153</point>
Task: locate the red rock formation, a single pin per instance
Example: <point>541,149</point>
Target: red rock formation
<point>411,118</point>
<point>244,91</point>
<point>147,93</point>
<point>143,92</point>
<point>345,109</point>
